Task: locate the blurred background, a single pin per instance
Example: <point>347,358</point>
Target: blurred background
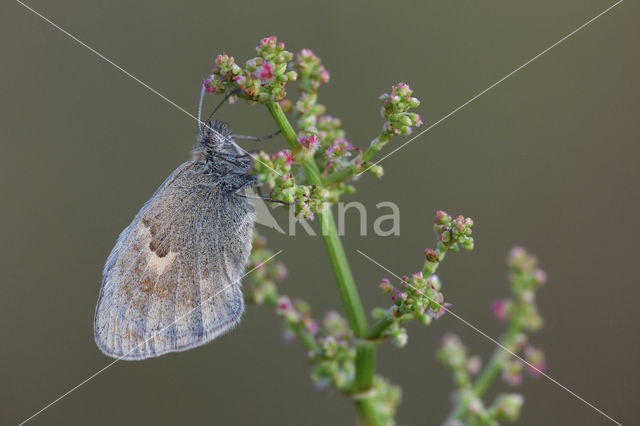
<point>548,160</point>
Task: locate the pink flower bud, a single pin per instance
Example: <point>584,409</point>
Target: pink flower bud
<point>431,255</point>
<point>500,309</point>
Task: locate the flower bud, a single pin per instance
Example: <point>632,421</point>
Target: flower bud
<point>431,255</point>
<point>508,406</point>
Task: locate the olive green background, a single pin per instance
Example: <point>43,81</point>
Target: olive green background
<point>548,159</point>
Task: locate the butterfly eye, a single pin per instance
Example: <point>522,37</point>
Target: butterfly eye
<point>211,138</point>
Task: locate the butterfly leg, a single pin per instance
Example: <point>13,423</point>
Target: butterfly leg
<point>256,138</point>
<point>252,197</point>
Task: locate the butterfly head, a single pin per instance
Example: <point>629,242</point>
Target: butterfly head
<point>216,136</point>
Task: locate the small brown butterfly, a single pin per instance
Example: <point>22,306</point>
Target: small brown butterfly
<point>172,281</point>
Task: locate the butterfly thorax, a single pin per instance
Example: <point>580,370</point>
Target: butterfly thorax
<point>216,155</point>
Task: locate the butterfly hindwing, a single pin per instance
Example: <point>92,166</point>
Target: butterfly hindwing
<point>172,282</point>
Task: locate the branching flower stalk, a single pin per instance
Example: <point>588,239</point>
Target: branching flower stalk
<point>521,315</point>
<point>319,167</point>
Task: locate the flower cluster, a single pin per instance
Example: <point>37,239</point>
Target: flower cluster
<point>334,362</point>
<point>312,72</point>
<point>417,296</point>
<point>334,367</point>
<point>336,149</point>
<point>312,75</point>
<point>395,107</point>
<point>320,142</point>
<point>333,150</point>
<point>263,78</point>
<point>506,407</point>
<point>308,144</point>
<point>453,354</point>
<point>297,316</point>
<point>513,367</point>
<point>452,232</point>
<point>387,398</point>
<point>276,171</point>
<point>398,119</point>
<point>329,345</point>
<point>526,278</point>
<point>260,285</point>
<point>273,169</point>
<point>521,315</point>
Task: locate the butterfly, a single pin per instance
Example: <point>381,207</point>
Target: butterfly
<point>172,281</point>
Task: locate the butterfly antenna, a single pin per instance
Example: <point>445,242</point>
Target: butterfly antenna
<point>222,102</point>
<point>200,123</point>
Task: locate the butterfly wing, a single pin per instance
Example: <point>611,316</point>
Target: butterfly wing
<point>172,281</point>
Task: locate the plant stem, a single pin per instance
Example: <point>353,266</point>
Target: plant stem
<point>337,257</point>
<point>368,413</point>
<point>375,146</point>
<point>310,168</point>
<point>378,328</point>
<point>341,175</point>
<point>346,285</point>
<point>365,354</point>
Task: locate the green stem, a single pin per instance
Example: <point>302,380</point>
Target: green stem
<point>368,413</point>
<point>310,167</point>
<point>378,328</point>
<point>342,175</point>
<point>375,146</point>
<point>346,285</point>
<point>365,354</point>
